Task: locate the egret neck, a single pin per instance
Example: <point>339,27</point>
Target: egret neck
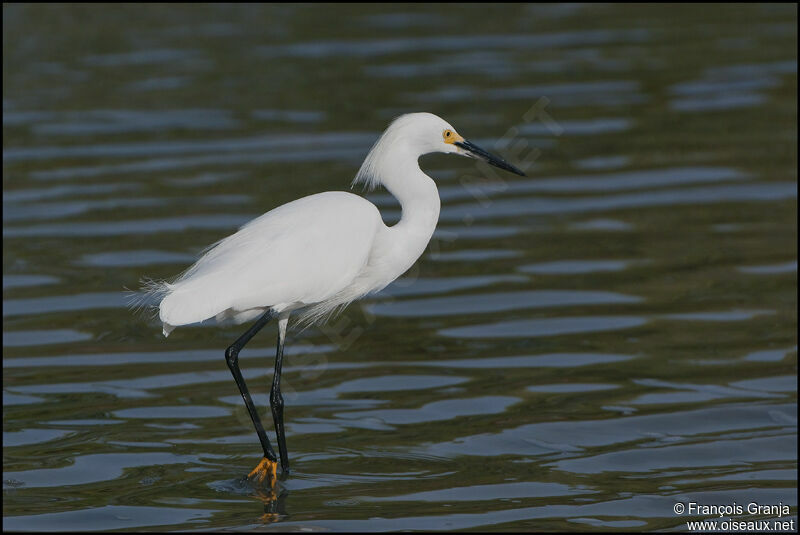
<point>401,175</point>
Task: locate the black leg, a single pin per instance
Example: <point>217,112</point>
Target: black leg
<point>276,399</point>
<point>232,358</point>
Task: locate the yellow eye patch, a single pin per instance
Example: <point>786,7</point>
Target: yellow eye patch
<point>451,137</point>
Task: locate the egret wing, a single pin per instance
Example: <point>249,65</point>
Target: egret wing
<point>302,252</point>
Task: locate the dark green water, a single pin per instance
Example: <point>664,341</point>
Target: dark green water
<point>578,350</point>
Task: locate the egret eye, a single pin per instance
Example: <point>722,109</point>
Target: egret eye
<point>451,137</point>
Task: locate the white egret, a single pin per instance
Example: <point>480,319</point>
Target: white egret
<point>316,255</point>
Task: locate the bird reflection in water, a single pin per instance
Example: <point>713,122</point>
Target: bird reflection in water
<point>264,482</point>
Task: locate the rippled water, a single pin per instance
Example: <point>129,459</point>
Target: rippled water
<point>578,349</point>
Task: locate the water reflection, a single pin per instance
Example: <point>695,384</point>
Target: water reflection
<point>111,517</point>
<point>496,302</point>
<point>135,258</point>
<point>42,337</point>
<point>572,267</point>
<point>503,491</point>
<point>770,269</point>
<point>20,281</point>
<point>773,191</point>
<point>548,437</point>
<point>92,468</point>
<point>545,327</point>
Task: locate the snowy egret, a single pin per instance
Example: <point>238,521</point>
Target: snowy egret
<point>316,255</point>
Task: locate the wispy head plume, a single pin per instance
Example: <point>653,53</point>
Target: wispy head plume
<point>369,173</point>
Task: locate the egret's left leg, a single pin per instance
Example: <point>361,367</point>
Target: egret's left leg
<point>267,467</point>
<point>275,397</point>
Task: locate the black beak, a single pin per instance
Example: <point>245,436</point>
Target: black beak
<point>477,152</point>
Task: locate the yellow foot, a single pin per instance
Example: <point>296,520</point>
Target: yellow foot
<point>266,471</point>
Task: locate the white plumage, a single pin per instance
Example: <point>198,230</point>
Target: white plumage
<point>288,257</point>
<point>321,252</point>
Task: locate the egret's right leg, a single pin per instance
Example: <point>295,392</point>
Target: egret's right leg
<point>268,466</point>
<point>275,397</point>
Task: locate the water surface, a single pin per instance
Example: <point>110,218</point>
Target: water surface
<point>577,349</point>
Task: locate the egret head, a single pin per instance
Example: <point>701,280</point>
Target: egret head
<point>421,133</point>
